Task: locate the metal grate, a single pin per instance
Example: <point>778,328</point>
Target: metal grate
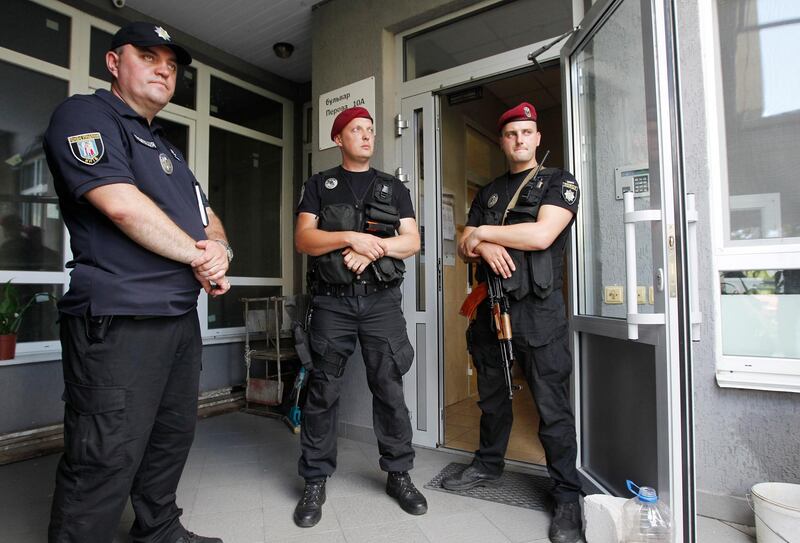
<point>518,489</point>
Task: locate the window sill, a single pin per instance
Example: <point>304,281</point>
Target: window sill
<point>54,354</point>
<point>777,375</point>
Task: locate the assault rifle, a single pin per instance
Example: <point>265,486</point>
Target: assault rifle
<point>501,317</point>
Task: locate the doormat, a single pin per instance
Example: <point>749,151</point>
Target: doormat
<point>518,489</point>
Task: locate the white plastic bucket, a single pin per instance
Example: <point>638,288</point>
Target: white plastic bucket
<point>777,509</point>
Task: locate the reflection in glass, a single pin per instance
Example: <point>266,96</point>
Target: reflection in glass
<point>760,78</point>
<point>243,107</point>
<point>177,134</point>
<point>185,83</point>
<point>40,322</point>
<point>613,127</point>
<point>245,191</point>
<point>35,30</point>
<point>31,230</point>
<point>419,180</point>
<point>760,313</point>
<point>227,311</point>
<point>487,32</point>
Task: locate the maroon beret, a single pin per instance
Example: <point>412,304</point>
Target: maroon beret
<point>523,112</point>
<point>343,118</point>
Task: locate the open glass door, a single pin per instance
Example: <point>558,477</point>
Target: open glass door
<point>422,284</point>
<point>624,279</point>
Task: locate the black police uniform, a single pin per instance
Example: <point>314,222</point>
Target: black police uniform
<point>346,307</point>
<point>129,329</point>
<point>540,331</point>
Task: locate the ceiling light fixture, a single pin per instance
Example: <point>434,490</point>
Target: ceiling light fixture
<point>283,49</point>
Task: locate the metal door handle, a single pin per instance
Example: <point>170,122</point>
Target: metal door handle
<point>630,218</point>
<point>696,316</point>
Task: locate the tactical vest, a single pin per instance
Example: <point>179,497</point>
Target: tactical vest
<point>341,210</point>
<point>539,272</point>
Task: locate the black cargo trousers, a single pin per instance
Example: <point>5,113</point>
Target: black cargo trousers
<point>129,421</point>
<point>377,322</point>
<point>541,348</point>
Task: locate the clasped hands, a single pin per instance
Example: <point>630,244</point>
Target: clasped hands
<point>211,266</point>
<point>363,250</point>
<point>496,256</point>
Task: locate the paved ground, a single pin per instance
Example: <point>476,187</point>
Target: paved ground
<point>241,484</point>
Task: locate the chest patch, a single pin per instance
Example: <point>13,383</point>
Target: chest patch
<point>166,163</point>
<point>331,183</point>
<point>146,143</point>
<point>87,148</point>
<point>492,200</point>
<point>569,191</point>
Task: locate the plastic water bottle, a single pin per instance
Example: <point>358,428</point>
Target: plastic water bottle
<point>645,519</point>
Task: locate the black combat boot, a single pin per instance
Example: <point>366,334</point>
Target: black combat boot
<point>189,537</point>
<point>309,508</point>
<point>566,525</point>
<point>400,487</point>
<point>470,478</point>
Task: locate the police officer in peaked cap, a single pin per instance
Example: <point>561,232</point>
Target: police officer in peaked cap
<point>144,241</point>
<point>525,245</point>
<point>357,225</point>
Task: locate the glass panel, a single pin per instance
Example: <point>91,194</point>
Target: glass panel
<point>613,124</point>
<point>245,191</point>
<point>760,78</point>
<point>40,321</point>
<point>419,180</point>
<point>177,134</point>
<point>761,313</point>
<point>34,30</point>
<point>237,105</point>
<point>185,91</point>
<point>489,32</point>
<point>32,236</point>
<point>228,311</point>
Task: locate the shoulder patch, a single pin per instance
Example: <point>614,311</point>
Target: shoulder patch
<point>331,183</point>
<point>569,191</point>
<point>87,148</point>
<point>492,200</point>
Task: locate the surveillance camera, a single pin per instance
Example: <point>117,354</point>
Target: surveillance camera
<point>118,3</point>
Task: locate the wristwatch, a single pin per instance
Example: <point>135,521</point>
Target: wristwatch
<point>228,249</point>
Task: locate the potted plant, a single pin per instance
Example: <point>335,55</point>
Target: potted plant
<point>11,312</point>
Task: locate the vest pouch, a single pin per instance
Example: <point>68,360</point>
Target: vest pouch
<point>339,218</point>
<point>331,269</point>
<point>540,264</point>
<point>382,213</point>
<point>519,284</point>
<point>389,270</point>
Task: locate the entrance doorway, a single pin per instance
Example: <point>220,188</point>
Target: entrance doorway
<point>471,158</point>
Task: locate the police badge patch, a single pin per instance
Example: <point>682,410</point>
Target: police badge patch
<point>166,163</point>
<point>87,148</point>
<point>331,183</point>
<point>492,200</point>
<point>569,191</point>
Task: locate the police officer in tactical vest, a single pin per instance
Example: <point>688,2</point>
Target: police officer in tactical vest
<point>517,228</point>
<point>357,225</point>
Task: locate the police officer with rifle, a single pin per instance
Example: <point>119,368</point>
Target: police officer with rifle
<point>517,228</point>
<point>357,225</point>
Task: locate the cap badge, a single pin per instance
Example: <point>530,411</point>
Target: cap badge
<point>166,163</point>
<point>87,148</point>
<point>527,111</point>
<point>492,200</point>
<point>331,183</point>
<point>163,34</point>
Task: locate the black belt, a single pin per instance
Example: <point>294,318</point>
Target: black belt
<point>353,289</point>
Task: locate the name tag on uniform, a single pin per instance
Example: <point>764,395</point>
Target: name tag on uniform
<point>146,143</point>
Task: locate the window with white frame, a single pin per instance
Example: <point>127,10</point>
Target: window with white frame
<point>235,135</point>
<point>758,262</point>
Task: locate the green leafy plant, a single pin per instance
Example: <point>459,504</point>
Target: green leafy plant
<point>12,309</point>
